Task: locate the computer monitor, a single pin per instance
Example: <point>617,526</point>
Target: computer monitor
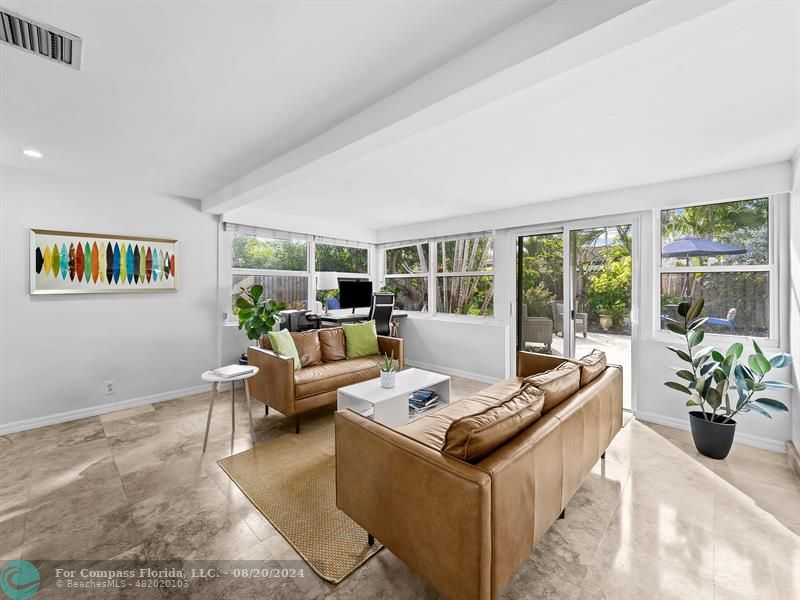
<point>355,293</point>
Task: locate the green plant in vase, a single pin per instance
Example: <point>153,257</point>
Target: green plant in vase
<point>388,367</point>
<point>257,314</point>
<point>721,385</point>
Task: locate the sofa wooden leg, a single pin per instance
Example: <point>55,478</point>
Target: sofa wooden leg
<point>297,423</point>
<point>603,455</point>
<point>563,514</point>
<point>266,409</point>
<point>370,539</point>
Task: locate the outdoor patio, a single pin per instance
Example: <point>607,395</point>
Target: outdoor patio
<point>617,347</point>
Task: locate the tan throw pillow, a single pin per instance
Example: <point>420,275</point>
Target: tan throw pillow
<point>308,347</point>
<point>332,342</point>
<point>557,384</point>
<point>592,365</point>
<point>473,437</point>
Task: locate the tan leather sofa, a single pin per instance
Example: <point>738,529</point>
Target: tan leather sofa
<point>466,528</point>
<point>324,369</point>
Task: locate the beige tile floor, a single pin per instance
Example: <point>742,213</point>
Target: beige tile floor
<point>654,520</point>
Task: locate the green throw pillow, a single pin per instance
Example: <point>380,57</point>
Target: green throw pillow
<point>283,344</point>
<point>361,339</point>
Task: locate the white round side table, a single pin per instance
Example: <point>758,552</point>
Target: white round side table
<point>215,380</point>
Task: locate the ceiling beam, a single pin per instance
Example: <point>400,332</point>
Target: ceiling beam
<point>559,37</point>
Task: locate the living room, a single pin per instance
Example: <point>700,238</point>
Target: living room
<point>462,299</point>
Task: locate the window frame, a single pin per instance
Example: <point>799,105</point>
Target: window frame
<point>434,260</point>
<point>421,274</point>
<point>234,271</point>
<point>310,272</point>
<point>342,244</point>
<point>772,268</point>
<point>432,274</point>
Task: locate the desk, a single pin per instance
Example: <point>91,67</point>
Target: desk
<point>345,317</point>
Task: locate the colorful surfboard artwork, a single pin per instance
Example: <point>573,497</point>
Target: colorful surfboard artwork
<point>78,262</point>
<point>95,262</point>
<point>123,263</point>
<point>136,264</point>
<point>64,263</point>
<point>129,264</point>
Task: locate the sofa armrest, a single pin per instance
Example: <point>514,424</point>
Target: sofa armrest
<point>432,511</point>
<point>274,384</point>
<point>530,363</point>
<point>387,345</point>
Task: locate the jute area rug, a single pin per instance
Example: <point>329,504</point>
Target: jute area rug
<point>292,481</point>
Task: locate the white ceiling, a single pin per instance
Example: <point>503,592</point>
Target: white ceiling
<point>718,93</point>
<point>184,97</point>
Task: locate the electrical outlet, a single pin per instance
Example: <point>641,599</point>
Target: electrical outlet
<point>111,387</point>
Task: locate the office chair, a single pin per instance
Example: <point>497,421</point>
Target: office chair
<point>381,311</point>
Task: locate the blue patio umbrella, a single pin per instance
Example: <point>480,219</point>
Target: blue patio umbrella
<point>692,246</point>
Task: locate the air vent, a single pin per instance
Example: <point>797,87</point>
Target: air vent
<point>40,39</point>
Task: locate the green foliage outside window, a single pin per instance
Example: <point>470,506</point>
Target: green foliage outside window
<point>250,252</point>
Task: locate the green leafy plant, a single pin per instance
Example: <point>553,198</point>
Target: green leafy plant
<point>388,364</point>
<point>257,315</point>
<point>711,378</point>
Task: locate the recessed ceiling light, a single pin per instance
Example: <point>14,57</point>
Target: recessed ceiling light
<point>31,153</point>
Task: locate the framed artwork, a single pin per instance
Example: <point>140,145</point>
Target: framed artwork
<point>64,262</point>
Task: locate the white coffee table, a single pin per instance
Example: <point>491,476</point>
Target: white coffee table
<point>390,406</point>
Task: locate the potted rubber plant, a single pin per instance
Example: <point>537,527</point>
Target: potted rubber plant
<point>721,385</point>
<point>257,314</point>
<point>388,366</point>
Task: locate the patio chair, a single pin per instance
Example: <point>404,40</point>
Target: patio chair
<point>581,319</point>
<point>729,321</point>
<point>536,330</point>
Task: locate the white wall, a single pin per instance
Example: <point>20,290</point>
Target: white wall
<point>475,350</point>
<point>794,297</point>
<point>475,345</point>
<point>56,351</point>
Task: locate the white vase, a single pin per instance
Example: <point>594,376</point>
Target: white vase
<point>388,379</point>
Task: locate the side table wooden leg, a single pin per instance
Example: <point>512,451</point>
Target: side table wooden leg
<point>249,410</point>
<point>210,409</point>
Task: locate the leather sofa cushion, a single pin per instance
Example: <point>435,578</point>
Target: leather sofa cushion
<point>431,429</point>
<point>332,342</point>
<point>473,437</point>
<point>308,347</point>
<point>330,376</point>
<point>592,366</point>
<point>557,384</point>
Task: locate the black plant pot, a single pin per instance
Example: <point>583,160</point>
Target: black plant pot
<point>712,438</point>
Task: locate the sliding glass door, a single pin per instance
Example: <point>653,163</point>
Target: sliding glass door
<point>540,289</point>
<point>598,290</point>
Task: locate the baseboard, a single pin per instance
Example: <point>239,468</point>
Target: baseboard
<point>794,457</point>
<point>93,411</point>
<point>743,438</point>
<point>451,372</point>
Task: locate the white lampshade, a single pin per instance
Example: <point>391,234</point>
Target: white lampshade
<point>327,280</point>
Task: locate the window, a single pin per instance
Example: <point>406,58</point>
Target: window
<point>464,276</point>
<point>406,276</point>
<point>341,259</point>
<point>281,266</point>
<point>721,253</point>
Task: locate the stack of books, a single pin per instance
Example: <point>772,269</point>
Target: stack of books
<point>422,401</point>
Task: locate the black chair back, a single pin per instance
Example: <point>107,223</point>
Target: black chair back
<point>381,311</point>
